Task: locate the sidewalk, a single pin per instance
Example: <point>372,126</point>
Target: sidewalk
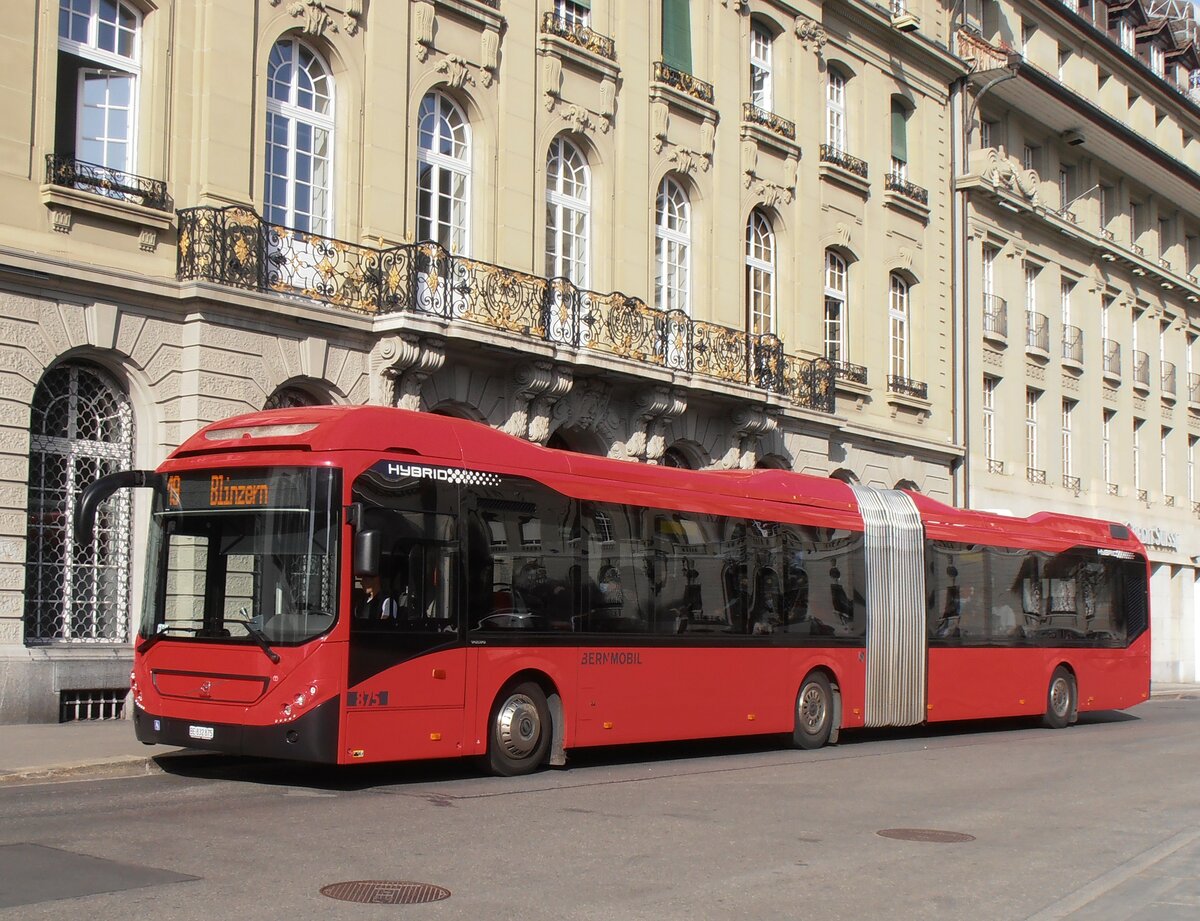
<point>60,751</point>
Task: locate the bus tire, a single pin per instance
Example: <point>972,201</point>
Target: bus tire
<point>1061,699</point>
<point>519,731</point>
<point>814,712</point>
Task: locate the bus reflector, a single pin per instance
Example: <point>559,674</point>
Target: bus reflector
<point>439,673</point>
<point>608,725</point>
<point>1021,701</point>
<point>929,707</point>
<point>435,737</point>
<point>356,753</point>
<point>750,716</point>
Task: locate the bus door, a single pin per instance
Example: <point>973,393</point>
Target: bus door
<point>407,667</point>
<point>897,642</point>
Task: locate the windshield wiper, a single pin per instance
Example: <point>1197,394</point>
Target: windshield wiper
<point>159,634</point>
<point>257,635</point>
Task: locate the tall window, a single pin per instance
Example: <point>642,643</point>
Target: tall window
<point>1191,467</point>
<point>899,139</point>
<point>989,270</point>
<point>1068,460</point>
<point>760,67</point>
<point>1164,442</point>
<point>1137,453</point>
<point>568,213</point>
<point>672,241</point>
<point>835,307</point>
<point>299,173</point>
<point>443,173</point>
<point>1106,434</point>
<point>1125,34</point>
<point>898,325</point>
<point>677,35</point>
<point>574,12</point>
<point>1030,157</point>
<point>989,417</point>
<point>1031,428</point>
<point>835,109</point>
<point>1064,293</point>
<point>99,64</point>
<point>81,428</point>
<point>1031,274</point>
<point>760,273</point>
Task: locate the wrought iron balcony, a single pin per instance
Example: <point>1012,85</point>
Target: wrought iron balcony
<point>1112,358</point>
<point>1072,483</point>
<point>1194,388</point>
<point>1167,378</point>
<point>1033,475</point>
<point>233,246</point>
<point>70,173</point>
<point>895,182</point>
<point>1141,370</point>
<point>1072,344</point>
<point>1169,501</point>
<point>1113,489</point>
<point>579,34</point>
<point>908,387</point>
<point>1037,332</point>
<point>839,157</point>
<point>684,82</point>
<point>846,371</point>
<point>995,316</point>
<point>1196,509</point>
<point>1143,496</point>
<point>995,466</point>
<point>776,124</point>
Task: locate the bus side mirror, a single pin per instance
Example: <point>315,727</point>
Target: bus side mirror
<point>367,552</point>
<point>96,492</point>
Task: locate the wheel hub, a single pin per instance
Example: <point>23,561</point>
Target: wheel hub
<point>519,726</point>
<point>812,709</point>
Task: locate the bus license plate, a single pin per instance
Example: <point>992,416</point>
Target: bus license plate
<point>201,732</point>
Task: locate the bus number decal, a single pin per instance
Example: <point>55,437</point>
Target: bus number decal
<point>611,658</point>
<point>366,698</point>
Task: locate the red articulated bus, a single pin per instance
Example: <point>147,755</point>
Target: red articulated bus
<point>365,584</point>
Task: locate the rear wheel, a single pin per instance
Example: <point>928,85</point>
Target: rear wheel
<point>814,712</point>
<point>520,730</point>
<point>1060,699</point>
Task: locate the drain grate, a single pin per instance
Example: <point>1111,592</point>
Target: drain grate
<point>385,892</point>
<point>925,834</point>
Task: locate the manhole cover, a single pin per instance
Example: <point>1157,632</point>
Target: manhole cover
<point>926,834</point>
<point>385,892</point>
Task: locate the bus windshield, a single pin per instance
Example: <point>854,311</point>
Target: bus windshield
<point>244,555</point>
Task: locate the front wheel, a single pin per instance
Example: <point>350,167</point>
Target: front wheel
<point>814,712</point>
<point>1060,699</point>
<point>520,731</point>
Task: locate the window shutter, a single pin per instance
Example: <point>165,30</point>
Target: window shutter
<point>899,134</point>
<point>677,35</point>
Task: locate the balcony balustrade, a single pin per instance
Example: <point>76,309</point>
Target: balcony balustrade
<point>1194,389</point>
<point>1072,345</point>
<point>1196,509</point>
<point>1072,483</point>
<point>776,124</point>
<point>995,317</point>
<point>234,247</point>
<point>579,34</point>
<point>1169,501</point>
<point>1037,332</point>
<point>895,182</point>
<point>846,371</point>
<point>908,387</point>
<point>1112,358</point>
<point>684,82</point>
<point>1141,370</point>
<point>69,173</point>
<point>1034,475</point>
<point>1143,496</point>
<point>839,157</point>
<point>995,466</point>
<point>1167,378</point>
<point>1113,489</point>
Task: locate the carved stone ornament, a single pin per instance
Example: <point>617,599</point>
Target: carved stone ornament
<point>809,30</point>
<point>457,71</point>
<point>423,16</point>
<point>688,161</point>
<point>490,55</point>
<point>773,195</point>
<point>318,15</point>
<point>1002,171</point>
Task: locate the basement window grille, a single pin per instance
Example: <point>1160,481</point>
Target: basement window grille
<point>91,706</point>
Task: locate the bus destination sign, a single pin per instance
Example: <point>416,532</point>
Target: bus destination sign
<point>250,489</point>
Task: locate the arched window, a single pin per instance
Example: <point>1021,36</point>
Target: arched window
<point>299,175</point>
<point>568,213</point>
<point>99,65</point>
<point>760,274</point>
<point>835,109</point>
<point>81,428</point>
<point>760,67</point>
<point>443,174</point>
<point>835,307</point>
<point>291,398</point>
<point>672,241</point>
<point>678,458</point>
<point>898,326</point>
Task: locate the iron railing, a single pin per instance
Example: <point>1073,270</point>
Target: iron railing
<point>1141,369</point>
<point>1166,377</point>
<point>1034,475</point>
<point>233,246</point>
<point>1194,388</point>
<point>1037,331</point>
<point>1169,501</point>
<point>1112,358</point>
<point>839,157</point>
<point>1143,495</point>
<point>769,120</point>
<point>1196,509</point>
<point>907,386</point>
<point>846,371</point>
<point>1072,483</point>
<point>995,316</point>
<point>995,466</point>
<point>1072,344</point>
<point>70,173</point>
<point>682,81</point>
<point>895,182</point>
<point>1113,489</point>
<point>579,34</point>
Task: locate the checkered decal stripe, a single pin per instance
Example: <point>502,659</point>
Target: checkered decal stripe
<point>459,476</point>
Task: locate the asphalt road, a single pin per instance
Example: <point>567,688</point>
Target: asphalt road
<point>1099,821</point>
